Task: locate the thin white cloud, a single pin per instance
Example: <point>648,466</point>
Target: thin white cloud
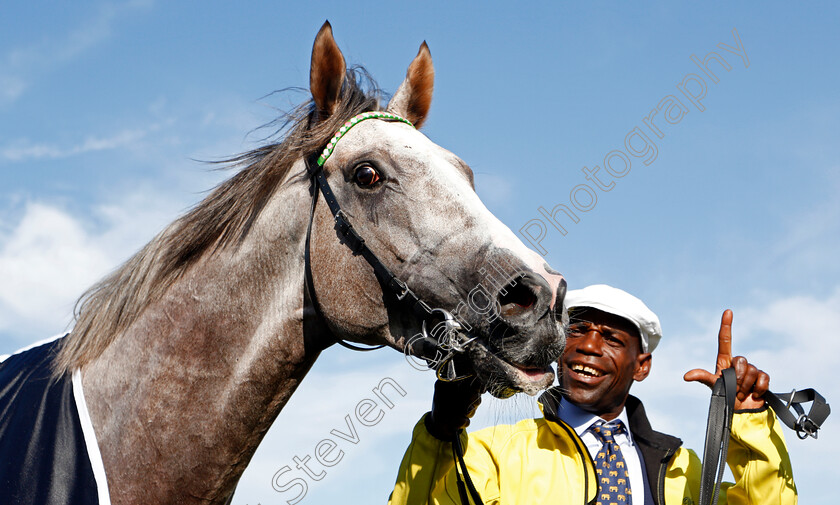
<point>808,247</point>
<point>11,87</point>
<point>319,406</point>
<point>21,65</point>
<point>797,337</point>
<point>495,190</point>
<point>24,150</point>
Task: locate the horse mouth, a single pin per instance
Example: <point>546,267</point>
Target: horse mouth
<point>505,378</point>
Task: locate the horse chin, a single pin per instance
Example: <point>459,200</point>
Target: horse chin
<point>503,378</point>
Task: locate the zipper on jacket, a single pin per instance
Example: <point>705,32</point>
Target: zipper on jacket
<point>584,452</point>
<point>663,468</point>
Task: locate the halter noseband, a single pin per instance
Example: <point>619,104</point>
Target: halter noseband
<point>439,348</point>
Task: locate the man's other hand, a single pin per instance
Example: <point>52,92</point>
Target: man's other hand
<point>453,405</point>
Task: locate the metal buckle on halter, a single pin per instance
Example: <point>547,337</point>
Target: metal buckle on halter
<point>790,399</point>
<point>342,222</point>
<point>806,428</point>
<point>400,290</point>
<point>439,346</point>
<point>451,342</point>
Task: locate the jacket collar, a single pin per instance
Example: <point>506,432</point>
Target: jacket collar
<point>640,427</point>
<point>548,402</point>
<point>639,424</point>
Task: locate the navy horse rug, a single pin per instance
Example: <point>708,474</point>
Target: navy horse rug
<point>48,450</point>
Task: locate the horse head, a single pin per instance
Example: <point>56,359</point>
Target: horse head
<point>414,204</point>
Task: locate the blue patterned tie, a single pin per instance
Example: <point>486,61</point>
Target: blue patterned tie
<point>613,477</point>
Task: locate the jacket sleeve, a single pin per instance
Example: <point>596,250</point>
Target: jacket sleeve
<point>759,460</point>
<point>427,472</point>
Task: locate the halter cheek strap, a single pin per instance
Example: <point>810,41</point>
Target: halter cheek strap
<point>348,234</point>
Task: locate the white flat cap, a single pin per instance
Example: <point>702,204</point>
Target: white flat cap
<point>622,304</point>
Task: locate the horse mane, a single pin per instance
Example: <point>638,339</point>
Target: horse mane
<point>221,220</point>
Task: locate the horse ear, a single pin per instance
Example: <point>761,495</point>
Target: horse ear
<point>414,96</point>
<point>326,74</point>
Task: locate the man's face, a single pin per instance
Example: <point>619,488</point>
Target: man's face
<point>601,360</point>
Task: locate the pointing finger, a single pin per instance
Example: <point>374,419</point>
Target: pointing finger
<point>724,357</point>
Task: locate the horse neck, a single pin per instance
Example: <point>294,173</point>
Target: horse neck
<point>180,401</point>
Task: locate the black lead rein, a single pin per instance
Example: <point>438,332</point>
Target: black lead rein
<point>718,428</point>
<point>465,484</point>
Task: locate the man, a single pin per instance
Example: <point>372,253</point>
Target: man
<point>595,444</point>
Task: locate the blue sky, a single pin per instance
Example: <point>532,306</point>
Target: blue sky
<point>106,107</point>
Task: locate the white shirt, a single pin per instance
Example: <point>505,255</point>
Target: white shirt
<point>581,420</point>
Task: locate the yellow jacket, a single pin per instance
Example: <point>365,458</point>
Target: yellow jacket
<point>544,461</point>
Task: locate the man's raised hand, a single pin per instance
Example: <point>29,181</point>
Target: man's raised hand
<point>752,382</point>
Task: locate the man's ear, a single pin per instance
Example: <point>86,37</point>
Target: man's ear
<point>642,366</point>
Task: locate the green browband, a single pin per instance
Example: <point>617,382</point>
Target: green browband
<point>354,121</point>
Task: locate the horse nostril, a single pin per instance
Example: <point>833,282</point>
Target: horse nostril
<point>561,295</point>
<point>516,298</point>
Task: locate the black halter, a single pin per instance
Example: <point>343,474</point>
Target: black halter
<point>438,352</point>
<point>357,244</point>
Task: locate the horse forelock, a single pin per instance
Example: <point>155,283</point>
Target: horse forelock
<point>221,220</point>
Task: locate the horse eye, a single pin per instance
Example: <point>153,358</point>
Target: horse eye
<point>366,175</point>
